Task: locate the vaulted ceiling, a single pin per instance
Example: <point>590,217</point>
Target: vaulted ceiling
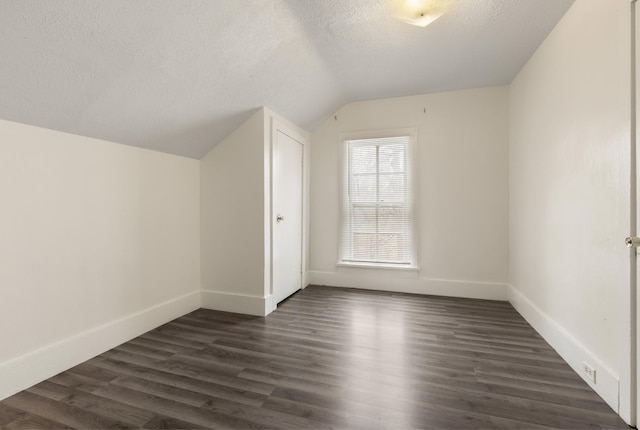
<point>179,75</point>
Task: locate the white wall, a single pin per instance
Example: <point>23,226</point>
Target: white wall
<point>569,187</point>
<point>463,192</point>
<point>232,217</point>
<point>99,242</point>
<point>236,217</point>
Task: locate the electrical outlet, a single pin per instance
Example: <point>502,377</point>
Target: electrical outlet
<point>589,371</point>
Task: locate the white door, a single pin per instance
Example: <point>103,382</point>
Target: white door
<point>286,216</point>
<point>630,388</point>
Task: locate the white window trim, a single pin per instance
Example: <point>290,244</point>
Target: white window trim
<point>413,186</point>
<point>368,265</point>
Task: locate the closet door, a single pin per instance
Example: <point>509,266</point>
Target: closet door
<point>287,215</point>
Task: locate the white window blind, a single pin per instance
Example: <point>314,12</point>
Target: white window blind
<point>377,218</point>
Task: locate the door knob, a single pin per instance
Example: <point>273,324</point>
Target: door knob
<point>632,242</point>
<point>279,218</point>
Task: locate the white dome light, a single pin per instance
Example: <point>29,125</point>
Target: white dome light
<point>419,12</point>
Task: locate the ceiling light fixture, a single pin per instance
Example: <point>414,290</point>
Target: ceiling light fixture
<point>419,12</point>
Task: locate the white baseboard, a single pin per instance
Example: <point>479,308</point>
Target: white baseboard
<point>406,283</point>
<point>24,371</point>
<point>237,303</point>
<point>270,304</point>
<point>569,348</point>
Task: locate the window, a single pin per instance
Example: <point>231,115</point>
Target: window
<point>378,209</point>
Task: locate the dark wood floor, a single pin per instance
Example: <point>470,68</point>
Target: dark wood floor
<point>326,358</point>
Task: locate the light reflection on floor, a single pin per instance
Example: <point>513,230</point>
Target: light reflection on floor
<point>378,362</point>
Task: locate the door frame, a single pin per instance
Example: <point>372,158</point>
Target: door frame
<point>274,124</point>
<point>628,395</point>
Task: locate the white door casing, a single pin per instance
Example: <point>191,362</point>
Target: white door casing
<point>287,215</point>
<point>629,394</point>
<point>629,359</point>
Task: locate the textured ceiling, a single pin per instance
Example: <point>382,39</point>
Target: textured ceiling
<point>179,75</point>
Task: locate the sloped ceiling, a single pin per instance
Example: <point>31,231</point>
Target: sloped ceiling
<point>179,75</point>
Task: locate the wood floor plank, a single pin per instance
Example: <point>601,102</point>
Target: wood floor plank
<point>159,389</point>
<point>577,392</point>
<point>87,370</point>
<point>156,380</point>
<point>211,415</point>
<point>30,421</point>
<point>51,390</point>
<point>9,414</point>
<point>175,341</point>
<point>153,353</point>
<point>62,413</point>
<point>158,345</point>
<point>123,412</point>
<point>183,366</point>
<point>163,422</point>
<point>266,418</point>
<point>78,382</point>
<point>326,358</point>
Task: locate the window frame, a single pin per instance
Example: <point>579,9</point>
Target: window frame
<point>412,182</point>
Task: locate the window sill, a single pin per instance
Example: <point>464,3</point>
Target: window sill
<point>402,267</point>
